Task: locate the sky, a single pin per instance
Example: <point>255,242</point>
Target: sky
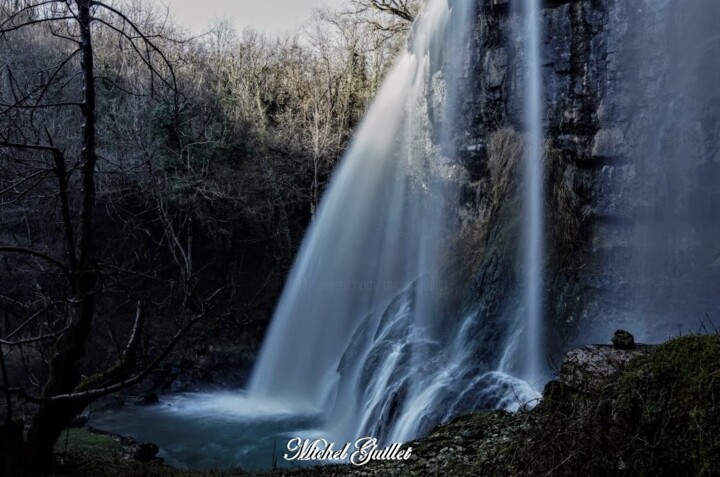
<point>272,16</point>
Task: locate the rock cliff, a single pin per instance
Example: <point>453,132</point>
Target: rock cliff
<point>632,159</point>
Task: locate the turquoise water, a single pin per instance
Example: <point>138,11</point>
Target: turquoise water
<point>212,431</point>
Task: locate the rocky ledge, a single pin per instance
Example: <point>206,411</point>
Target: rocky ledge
<point>587,368</point>
<point>615,410</point>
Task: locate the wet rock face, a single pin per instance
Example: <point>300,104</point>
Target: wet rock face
<point>631,123</point>
<point>576,71</point>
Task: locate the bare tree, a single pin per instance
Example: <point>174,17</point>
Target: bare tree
<point>403,9</point>
<point>392,18</point>
<point>43,164</point>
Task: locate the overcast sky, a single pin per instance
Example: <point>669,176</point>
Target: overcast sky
<point>267,15</point>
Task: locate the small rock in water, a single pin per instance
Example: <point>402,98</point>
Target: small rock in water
<point>623,340</point>
<point>149,399</point>
<point>79,421</point>
<point>146,452</point>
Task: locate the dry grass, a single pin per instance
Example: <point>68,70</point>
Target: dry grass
<point>658,417</point>
<point>562,209</point>
<point>495,220</point>
<point>495,192</point>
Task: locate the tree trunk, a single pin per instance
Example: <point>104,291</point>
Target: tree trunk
<point>11,447</point>
<point>52,417</point>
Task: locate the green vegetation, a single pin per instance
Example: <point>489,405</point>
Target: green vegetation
<point>667,413</point>
<point>84,441</point>
<point>659,416</point>
<point>81,453</point>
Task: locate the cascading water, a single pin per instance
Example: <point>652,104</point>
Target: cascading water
<point>378,226</point>
<point>362,342</point>
<point>523,352</point>
<point>358,328</point>
<point>534,198</point>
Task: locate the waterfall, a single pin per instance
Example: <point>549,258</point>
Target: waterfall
<point>357,315</point>
<point>360,333</point>
<point>534,197</point>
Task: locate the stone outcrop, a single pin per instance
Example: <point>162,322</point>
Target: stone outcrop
<point>585,369</point>
<point>146,452</point>
<point>623,340</point>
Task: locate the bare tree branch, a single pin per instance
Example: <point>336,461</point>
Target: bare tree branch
<point>96,393</point>
<point>149,44</point>
<point>20,182</point>
<point>32,147</point>
<point>34,253</point>
<point>31,318</point>
<point>398,8</point>
<point>34,339</point>
<point>28,8</point>
<point>5,30</point>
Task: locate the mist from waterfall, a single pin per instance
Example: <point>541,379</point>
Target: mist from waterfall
<point>676,193</point>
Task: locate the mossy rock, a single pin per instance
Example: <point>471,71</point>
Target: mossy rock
<point>623,340</point>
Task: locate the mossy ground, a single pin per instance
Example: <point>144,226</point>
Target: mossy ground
<point>81,453</point>
<point>660,416</point>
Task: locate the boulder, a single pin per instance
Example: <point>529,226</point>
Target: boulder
<point>78,421</point>
<point>149,399</point>
<point>623,340</point>
<point>585,369</point>
<point>146,452</point>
